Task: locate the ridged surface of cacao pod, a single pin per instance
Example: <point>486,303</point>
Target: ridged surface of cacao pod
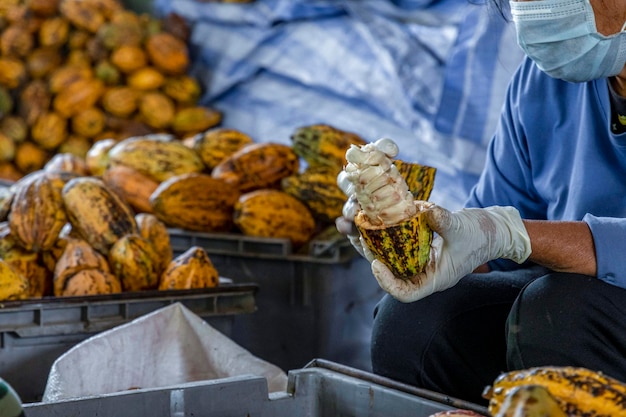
<point>37,212</point>
<point>274,214</point>
<point>155,231</point>
<point>133,261</point>
<point>77,254</point>
<point>91,282</point>
<point>97,213</point>
<point>258,165</point>
<point>191,269</point>
<point>196,202</point>
<point>158,159</point>
<point>322,144</point>
<point>404,248</point>
<point>215,145</point>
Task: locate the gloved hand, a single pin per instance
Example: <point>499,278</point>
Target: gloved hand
<point>465,240</point>
<point>345,224</point>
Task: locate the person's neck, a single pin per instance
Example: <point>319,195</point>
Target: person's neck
<point>619,85</point>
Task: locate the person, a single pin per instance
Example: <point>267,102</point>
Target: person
<point>531,272</point>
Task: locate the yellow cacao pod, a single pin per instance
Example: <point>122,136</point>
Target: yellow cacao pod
<point>97,157</point>
<point>9,172</point>
<point>13,285</point>
<point>156,109</point>
<point>577,391</point>
<point>76,145</point>
<point>54,32</point>
<point>129,58</point>
<point>215,145</point>
<point>49,130</point>
<point>97,213</point>
<point>133,261</point>
<point>274,214</point>
<point>34,100</point>
<point>191,269</point>
<point>12,72</point>
<point>28,265</point>
<point>43,8</point>
<point>258,165</point>
<point>77,254</point>
<point>155,231</point>
<point>14,127</point>
<point>317,188</point>
<point>88,122</point>
<point>91,282</point>
<point>120,101</point>
<point>29,157</point>
<point>77,96</point>
<point>16,41</point>
<point>157,157</point>
<point>404,248</point>
<point>134,187</point>
<point>145,79</point>
<point>7,148</point>
<point>195,201</point>
<point>322,144</point>
<point>83,14</point>
<point>124,28</point>
<point>183,89</point>
<point>419,178</point>
<point>66,162</point>
<point>42,61</point>
<point>65,75</point>
<point>195,119</point>
<point>167,53</point>
<point>37,212</point>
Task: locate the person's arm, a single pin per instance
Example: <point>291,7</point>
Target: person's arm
<point>564,246</point>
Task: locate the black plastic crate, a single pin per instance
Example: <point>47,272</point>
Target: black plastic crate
<point>34,333</point>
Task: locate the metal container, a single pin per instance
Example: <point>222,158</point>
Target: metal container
<point>315,302</point>
<point>321,389</point>
<point>34,333</point>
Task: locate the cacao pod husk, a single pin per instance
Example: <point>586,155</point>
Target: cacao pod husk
<point>133,261</point>
<point>191,269</point>
<point>37,212</point>
<point>195,201</point>
<point>97,213</point>
<point>257,165</point>
<point>274,214</point>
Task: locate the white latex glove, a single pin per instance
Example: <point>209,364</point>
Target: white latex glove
<point>465,240</point>
<point>345,224</point>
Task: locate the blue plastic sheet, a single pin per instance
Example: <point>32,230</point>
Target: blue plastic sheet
<point>430,74</point>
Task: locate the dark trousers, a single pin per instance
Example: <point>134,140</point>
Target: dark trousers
<point>457,341</point>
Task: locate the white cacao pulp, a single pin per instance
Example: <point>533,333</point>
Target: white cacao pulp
<point>372,178</point>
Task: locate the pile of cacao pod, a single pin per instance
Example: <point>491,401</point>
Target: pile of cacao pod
<point>65,234</point>
<point>99,224</point>
<point>222,180</point>
<point>73,72</point>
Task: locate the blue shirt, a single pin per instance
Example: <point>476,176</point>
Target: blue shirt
<point>553,157</point>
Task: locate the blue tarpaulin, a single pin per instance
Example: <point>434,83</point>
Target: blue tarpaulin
<point>430,74</point>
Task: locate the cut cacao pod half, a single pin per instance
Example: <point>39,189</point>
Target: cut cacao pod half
<point>419,178</point>
<point>404,247</point>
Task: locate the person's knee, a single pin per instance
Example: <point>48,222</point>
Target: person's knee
<point>544,313</point>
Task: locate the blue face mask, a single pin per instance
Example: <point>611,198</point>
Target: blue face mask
<point>561,37</point>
